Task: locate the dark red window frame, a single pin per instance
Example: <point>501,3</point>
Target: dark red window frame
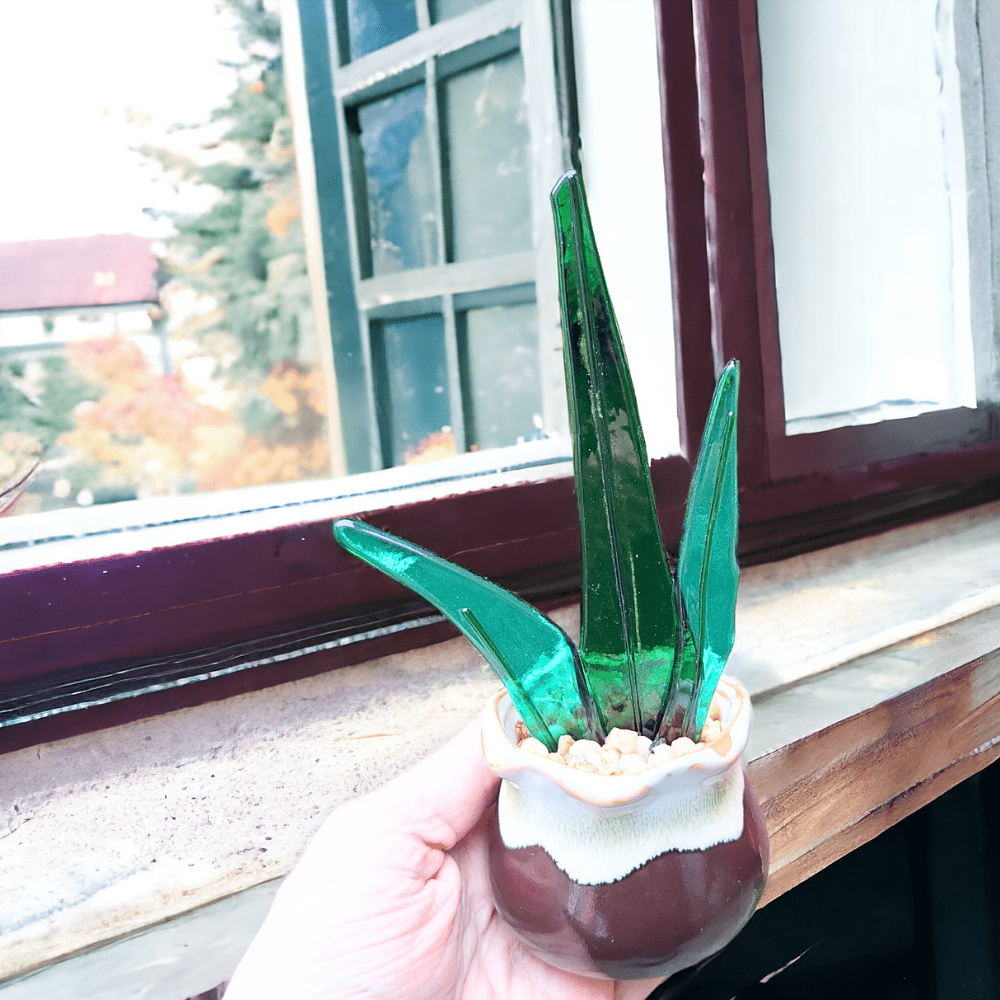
<point>108,630</point>
<point>835,483</point>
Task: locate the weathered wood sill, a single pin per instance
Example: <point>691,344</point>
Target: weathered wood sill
<point>876,682</point>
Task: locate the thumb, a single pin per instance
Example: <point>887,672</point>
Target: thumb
<point>441,798</point>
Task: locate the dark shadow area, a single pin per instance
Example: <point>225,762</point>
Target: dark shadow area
<point>911,915</point>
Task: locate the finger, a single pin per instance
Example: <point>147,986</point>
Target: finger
<point>636,989</point>
<point>442,798</point>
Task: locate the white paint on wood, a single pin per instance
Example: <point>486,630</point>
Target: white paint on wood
<point>618,80</point>
<point>802,616</point>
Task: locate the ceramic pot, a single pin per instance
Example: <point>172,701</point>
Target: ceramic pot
<point>630,876</point>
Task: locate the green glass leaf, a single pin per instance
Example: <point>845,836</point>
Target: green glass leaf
<point>628,620</point>
<point>537,662</point>
<point>706,567</point>
<point>679,697</point>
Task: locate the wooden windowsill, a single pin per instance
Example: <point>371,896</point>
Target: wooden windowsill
<point>872,665</point>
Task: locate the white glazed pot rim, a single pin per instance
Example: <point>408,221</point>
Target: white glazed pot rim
<point>682,774</point>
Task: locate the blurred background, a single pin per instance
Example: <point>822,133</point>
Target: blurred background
<point>156,325</point>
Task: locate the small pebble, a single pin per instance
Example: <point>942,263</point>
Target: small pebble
<point>624,751</point>
<point>623,740</point>
<point>534,746</point>
<point>710,731</point>
<point>582,747</point>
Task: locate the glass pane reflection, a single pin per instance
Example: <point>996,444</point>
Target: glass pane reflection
<point>373,24</point>
<point>486,140</point>
<point>442,10</point>
<point>400,182</point>
<point>411,384</point>
<point>503,384</point>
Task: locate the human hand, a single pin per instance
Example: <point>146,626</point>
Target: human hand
<point>392,899</point>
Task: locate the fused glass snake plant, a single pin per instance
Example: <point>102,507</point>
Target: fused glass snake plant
<point>655,635</point>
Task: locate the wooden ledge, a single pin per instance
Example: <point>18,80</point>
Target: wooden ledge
<point>875,682</point>
<point>843,782</point>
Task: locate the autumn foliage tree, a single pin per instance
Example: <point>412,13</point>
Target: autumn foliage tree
<point>264,420</point>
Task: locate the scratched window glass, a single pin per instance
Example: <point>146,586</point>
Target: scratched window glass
<point>502,381</point>
<point>486,159</point>
<point>399,182</point>
<point>412,377</point>
<point>449,340</point>
<point>373,24</point>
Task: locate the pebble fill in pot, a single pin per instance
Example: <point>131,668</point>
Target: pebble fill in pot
<point>628,876</point>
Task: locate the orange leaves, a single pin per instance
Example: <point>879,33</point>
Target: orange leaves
<point>149,433</point>
<point>286,209</point>
<point>109,360</point>
<point>440,444</point>
<point>138,403</point>
<point>281,464</point>
<point>290,387</point>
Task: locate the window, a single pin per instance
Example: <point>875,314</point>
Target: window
<point>446,118</point>
<point>156,327</point>
<point>250,588</point>
<point>229,610</point>
<point>803,462</point>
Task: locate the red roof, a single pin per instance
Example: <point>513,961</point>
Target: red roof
<point>83,271</point>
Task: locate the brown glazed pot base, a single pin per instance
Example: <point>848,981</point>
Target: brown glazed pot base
<point>670,914</point>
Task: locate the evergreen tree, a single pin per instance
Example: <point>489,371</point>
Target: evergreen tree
<point>256,225</point>
<point>248,252</point>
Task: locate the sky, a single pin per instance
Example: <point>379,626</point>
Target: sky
<point>81,83</point>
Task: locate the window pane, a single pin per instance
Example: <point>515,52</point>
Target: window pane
<point>866,165</point>
<point>503,387</point>
<point>180,354</point>
<point>442,10</point>
<point>617,77</point>
<point>486,139</point>
<point>411,385</point>
<point>373,24</point>
<point>400,181</point>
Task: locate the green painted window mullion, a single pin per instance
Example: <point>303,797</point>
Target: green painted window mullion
<point>353,190</point>
<point>447,304</point>
<point>379,460</point>
<point>455,399</point>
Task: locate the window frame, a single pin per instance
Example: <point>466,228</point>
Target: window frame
<point>430,56</point>
<point>232,599</point>
<point>838,482</point>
